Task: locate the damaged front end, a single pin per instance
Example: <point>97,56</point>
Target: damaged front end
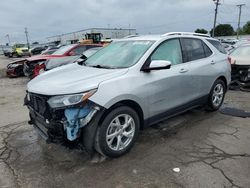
<point>241,76</point>
<point>67,118</point>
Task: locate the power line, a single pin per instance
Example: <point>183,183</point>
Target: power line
<point>238,30</point>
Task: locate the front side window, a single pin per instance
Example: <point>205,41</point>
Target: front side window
<point>169,50</point>
<point>194,49</point>
<point>120,54</point>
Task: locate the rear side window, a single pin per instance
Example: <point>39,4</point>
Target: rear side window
<point>217,45</point>
<point>79,50</point>
<point>194,49</point>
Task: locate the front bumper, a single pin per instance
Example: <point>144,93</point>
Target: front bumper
<point>241,73</point>
<point>62,125</point>
<point>14,71</point>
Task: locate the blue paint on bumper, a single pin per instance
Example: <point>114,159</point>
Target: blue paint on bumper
<point>73,116</point>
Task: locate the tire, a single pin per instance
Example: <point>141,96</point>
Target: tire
<point>216,95</point>
<point>114,126</point>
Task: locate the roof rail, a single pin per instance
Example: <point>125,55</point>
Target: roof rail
<point>185,33</point>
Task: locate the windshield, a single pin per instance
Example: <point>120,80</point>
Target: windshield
<point>241,51</point>
<point>120,54</point>
<point>63,49</point>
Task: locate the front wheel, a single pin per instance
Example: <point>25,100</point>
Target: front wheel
<point>216,96</point>
<point>118,132</point>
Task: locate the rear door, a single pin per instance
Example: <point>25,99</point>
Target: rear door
<point>198,60</point>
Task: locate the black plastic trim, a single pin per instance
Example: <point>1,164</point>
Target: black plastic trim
<point>176,111</point>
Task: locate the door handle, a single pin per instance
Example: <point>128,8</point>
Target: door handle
<point>212,62</point>
<point>183,70</point>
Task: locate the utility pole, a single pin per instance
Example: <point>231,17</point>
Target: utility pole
<point>238,30</point>
<point>217,3</point>
<point>27,38</point>
<point>8,37</point>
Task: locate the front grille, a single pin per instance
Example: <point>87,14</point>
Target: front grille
<point>24,51</point>
<point>40,105</point>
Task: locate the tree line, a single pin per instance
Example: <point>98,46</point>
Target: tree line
<point>226,30</point>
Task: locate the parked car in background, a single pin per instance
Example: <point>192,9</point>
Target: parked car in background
<point>228,47</point>
<point>69,50</point>
<point>242,42</point>
<point>37,50</point>
<point>7,52</point>
<point>240,61</point>
<point>231,41</point>
<point>57,62</point>
<point>19,50</point>
<point>130,84</point>
<point>15,68</point>
<point>50,50</point>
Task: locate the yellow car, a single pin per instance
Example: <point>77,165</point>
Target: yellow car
<point>19,50</point>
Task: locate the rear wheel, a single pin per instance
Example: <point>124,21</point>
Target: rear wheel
<point>118,132</point>
<point>216,96</point>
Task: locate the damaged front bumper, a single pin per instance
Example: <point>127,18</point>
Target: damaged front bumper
<point>241,73</point>
<point>75,123</point>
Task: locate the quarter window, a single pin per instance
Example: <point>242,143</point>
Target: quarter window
<point>207,50</point>
<point>218,46</point>
<point>169,50</point>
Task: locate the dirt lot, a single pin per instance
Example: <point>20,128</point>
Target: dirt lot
<point>210,149</point>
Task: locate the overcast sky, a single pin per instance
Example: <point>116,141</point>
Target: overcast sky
<point>45,18</point>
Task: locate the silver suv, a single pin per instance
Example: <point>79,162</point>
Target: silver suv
<point>132,83</point>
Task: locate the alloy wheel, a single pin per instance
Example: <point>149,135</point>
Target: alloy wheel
<point>218,94</point>
<point>120,132</point>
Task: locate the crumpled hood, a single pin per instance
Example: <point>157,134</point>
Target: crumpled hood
<point>240,60</point>
<point>43,57</point>
<point>71,79</point>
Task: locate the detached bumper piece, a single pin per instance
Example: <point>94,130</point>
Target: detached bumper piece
<point>60,125</point>
<point>240,77</point>
<point>77,118</point>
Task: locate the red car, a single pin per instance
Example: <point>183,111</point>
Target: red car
<point>31,66</point>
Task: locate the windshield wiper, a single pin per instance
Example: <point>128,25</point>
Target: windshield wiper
<point>101,67</point>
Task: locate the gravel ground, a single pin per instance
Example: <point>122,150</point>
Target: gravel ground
<point>208,149</point>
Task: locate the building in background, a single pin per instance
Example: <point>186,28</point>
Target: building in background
<point>107,33</point>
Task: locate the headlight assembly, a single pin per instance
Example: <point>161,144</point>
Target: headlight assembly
<point>69,100</point>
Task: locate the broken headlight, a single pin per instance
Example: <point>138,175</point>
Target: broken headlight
<point>69,100</point>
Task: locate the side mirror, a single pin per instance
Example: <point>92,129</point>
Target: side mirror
<point>158,65</point>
